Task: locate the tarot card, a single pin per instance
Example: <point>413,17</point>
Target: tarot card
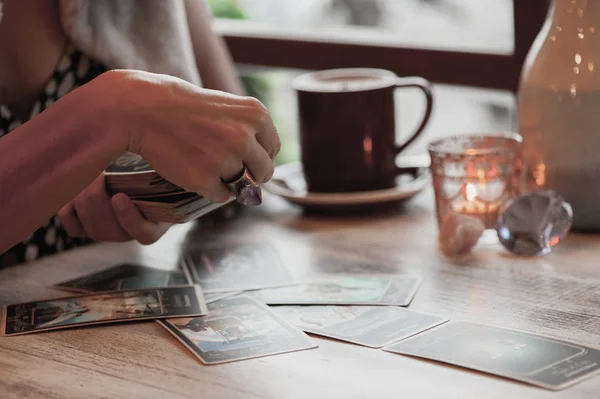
<point>237,268</point>
<point>102,308</point>
<point>237,328</point>
<point>129,162</point>
<point>402,290</point>
<point>533,359</point>
<point>372,326</point>
<point>124,277</point>
<point>344,290</point>
<point>217,296</point>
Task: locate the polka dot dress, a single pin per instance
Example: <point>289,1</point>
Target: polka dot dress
<point>73,70</point>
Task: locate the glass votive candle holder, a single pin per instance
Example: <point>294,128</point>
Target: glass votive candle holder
<point>475,174</point>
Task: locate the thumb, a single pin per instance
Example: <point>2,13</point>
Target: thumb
<point>133,222</point>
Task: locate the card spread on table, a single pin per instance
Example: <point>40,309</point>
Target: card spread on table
<point>372,326</point>
<point>522,356</point>
<point>237,328</point>
<point>109,307</point>
<point>123,277</point>
<point>157,199</point>
<point>236,268</point>
<point>344,290</point>
<point>217,296</point>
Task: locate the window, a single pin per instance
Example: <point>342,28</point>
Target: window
<point>466,25</point>
<point>468,43</point>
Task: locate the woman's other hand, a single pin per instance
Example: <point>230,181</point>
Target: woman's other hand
<point>97,215</point>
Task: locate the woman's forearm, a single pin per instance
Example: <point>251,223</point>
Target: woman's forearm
<point>50,159</point>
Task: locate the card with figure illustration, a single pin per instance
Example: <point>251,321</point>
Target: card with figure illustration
<point>124,277</point>
<point>522,356</point>
<point>344,290</point>
<point>102,308</point>
<point>237,328</point>
<point>236,268</point>
<point>372,326</point>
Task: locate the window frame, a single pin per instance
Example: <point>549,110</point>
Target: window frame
<point>250,45</point>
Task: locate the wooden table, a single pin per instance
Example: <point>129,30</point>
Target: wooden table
<point>557,295</point>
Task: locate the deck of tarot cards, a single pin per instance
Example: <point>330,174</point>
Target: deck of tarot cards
<point>157,199</point>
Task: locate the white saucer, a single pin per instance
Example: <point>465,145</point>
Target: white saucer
<point>288,182</point>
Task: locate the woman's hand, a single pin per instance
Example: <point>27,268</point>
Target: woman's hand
<point>191,136</point>
<point>94,214</point>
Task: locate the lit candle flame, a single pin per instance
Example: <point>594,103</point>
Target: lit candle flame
<point>470,191</point>
<point>540,174</point>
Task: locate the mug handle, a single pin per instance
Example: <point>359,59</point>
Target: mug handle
<point>425,86</point>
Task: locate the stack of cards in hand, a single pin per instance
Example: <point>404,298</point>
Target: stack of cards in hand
<point>157,199</point>
<point>240,302</point>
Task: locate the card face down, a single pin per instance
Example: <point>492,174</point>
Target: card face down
<point>522,356</point>
<point>237,268</point>
<point>237,328</point>
<point>124,277</point>
<point>372,326</point>
<point>102,308</point>
<point>344,290</point>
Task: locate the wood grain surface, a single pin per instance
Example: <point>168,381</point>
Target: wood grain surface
<point>557,295</point>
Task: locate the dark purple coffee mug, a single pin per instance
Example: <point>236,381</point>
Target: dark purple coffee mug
<point>348,127</point>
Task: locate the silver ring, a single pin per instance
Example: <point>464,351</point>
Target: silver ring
<point>244,186</point>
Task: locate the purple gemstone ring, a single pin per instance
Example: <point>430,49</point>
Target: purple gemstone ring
<point>244,186</point>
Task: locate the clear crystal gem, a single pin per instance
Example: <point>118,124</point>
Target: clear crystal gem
<point>534,223</point>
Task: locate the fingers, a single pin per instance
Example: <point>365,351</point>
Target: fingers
<point>269,139</point>
<point>95,214</point>
<point>206,179</point>
<point>266,133</point>
<point>232,169</point>
<point>70,221</point>
<point>217,191</point>
<point>259,163</point>
<point>133,222</point>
